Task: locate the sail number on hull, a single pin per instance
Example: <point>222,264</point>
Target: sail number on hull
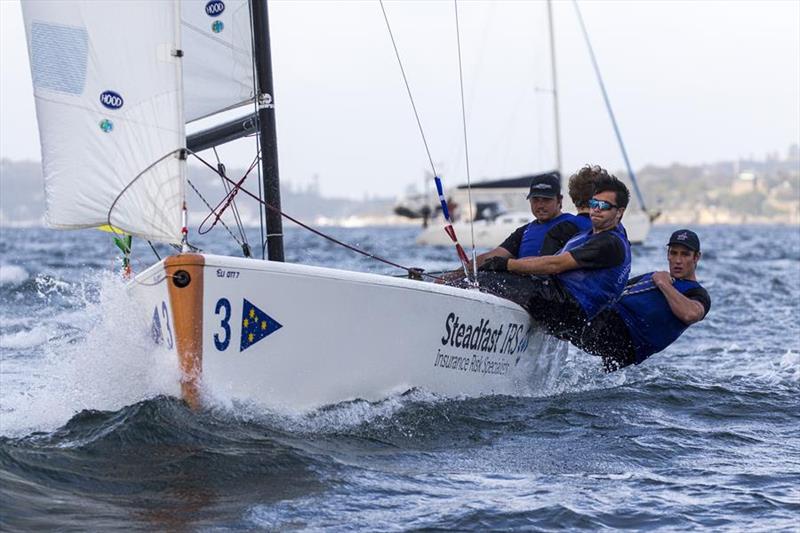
<point>156,328</point>
<point>223,306</point>
<point>255,325</point>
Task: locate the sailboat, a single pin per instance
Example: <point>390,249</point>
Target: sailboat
<point>508,195</point>
<point>115,85</point>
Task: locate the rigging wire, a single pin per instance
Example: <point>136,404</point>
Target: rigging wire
<point>234,207</point>
<point>610,110</point>
<point>412,272</point>
<point>466,145</point>
<point>451,232</point>
<point>478,67</point>
<point>212,212</point>
<point>227,200</point>
<point>408,88</point>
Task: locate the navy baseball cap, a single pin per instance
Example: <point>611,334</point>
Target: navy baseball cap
<point>687,238</point>
<point>545,186</point>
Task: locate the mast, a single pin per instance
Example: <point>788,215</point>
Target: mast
<point>268,138</point>
<point>555,84</point>
<point>611,114</point>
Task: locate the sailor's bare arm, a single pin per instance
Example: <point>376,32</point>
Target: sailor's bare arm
<point>687,310</point>
<point>549,264</point>
<point>497,252</point>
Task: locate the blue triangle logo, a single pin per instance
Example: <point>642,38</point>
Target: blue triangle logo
<point>256,324</point>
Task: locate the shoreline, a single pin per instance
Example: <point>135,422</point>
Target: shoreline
<point>355,222</point>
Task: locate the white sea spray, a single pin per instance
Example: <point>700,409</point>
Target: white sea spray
<point>97,355</point>
<point>12,274</point>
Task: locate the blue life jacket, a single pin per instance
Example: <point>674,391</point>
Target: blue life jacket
<point>650,321</point>
<point>533,238</point>
<point>583,222</point>
<point>596,289</point>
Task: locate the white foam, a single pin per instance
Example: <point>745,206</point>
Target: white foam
<point>789,366</point>
<point>555,373</point>
<point>12,275</point>
<point>113,364</point>
<point>24,339</point>
<point>326,420</point>
<point>570,372</point>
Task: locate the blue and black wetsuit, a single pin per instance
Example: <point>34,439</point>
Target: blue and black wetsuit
<point>566,301</point>
<point>543,238</point>
<point>605,263</point>
<point>640,324</point>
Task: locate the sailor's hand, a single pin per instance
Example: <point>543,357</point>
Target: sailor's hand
<point>495,264</point>
<point>662,279</point>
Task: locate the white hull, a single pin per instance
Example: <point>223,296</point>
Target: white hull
<point>342,335</point>
<point>490,233</point>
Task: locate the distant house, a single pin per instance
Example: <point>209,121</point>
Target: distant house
<point>747,183</point>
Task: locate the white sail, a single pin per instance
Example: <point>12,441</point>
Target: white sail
<point>217,56</point>
<point>109,107</point>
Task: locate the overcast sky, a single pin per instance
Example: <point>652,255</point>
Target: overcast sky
<point>690,82</point>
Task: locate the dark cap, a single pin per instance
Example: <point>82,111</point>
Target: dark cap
<point>687,238</point>
<point>545,186</point>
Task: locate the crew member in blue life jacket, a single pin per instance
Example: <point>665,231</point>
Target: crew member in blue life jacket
<point>566,290</point>
<point>550,230</point>
<point>655,309</point>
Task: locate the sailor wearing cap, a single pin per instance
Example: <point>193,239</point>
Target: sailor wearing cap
<point>550,230</point>
<point>655,309</point>
<point>588,274</point>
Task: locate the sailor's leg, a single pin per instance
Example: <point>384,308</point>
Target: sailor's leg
<point>556,309</point>
<point>607,336</point>
<point>542,296</point>
<point>518,289</point>
<point>548,303</point>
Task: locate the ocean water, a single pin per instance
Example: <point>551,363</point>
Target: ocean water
<point>705,435</point>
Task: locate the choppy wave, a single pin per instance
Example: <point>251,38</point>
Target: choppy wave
<point>703,435</point>
<point>12,274</point>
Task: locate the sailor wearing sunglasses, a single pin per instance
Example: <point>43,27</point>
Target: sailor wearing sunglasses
<point>566,290</point>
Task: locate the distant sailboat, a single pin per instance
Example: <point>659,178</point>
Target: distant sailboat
<point>507,195</point>
<point>115,85</point>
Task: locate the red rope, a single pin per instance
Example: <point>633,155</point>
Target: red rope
<point>227,199</point>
